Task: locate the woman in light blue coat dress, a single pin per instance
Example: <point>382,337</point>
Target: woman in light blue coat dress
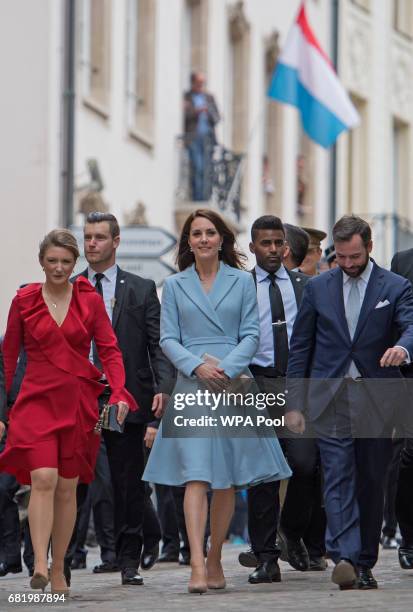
<point>210,306</point>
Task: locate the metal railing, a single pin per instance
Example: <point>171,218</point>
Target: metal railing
<point>220,178</point>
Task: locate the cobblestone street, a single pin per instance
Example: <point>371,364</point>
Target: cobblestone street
<point>165,589</point>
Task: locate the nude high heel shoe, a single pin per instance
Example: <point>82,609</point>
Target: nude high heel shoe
<point>59,591</point>
<point>216,583</point>
<point>197,585</point>
<point>39,581</point>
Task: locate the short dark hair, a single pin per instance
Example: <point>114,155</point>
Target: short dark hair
<point>349,226</point>
<point>98,217</point>
<point>298,241</point>
<point>266,222</point>
<point>229,254</point>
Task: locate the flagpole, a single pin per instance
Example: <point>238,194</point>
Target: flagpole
<point>333,159</point>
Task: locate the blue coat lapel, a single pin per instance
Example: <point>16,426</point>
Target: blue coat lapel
<point>191,286</point>
<point>224,282</point>
<point>373,290</point>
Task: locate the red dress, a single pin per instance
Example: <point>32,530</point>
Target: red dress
<point>52,421</point>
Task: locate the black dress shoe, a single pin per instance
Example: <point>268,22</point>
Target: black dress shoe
<point>344,575</point>
<point>10,568</point>
<point>149,557</point>
<point>184,558</point>
<point>295,552</point>
<point>317,564</point>
<point>366,580</point>
<point>78,563</point>
<point>247,558</point>
<point>406,557</point>
<point>268,571</point>
<point>105,567</point>
<point>389,543</point>
<point>131,576</point>
<point>67,574</point>
<point>168,557</point>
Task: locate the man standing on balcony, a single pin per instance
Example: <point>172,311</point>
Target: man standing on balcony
<point>201,116</point>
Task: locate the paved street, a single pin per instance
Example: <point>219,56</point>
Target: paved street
<point>165,589</point>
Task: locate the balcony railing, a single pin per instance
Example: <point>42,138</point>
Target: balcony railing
<point>220,179</point>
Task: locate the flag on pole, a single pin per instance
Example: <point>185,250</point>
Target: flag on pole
<point>305,77</point>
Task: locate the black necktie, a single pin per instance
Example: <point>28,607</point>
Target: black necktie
<point>99,289</point>
<point>279,326</point>
<point>98,284</point>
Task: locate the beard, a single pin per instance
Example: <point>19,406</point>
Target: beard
<point>356,270</point>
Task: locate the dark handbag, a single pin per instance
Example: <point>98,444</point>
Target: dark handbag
<point>108,419</point>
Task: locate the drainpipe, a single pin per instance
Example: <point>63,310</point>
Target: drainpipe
<point>68,127</point>
<point>333,157</point>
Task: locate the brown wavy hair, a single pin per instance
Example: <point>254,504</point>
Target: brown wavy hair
<point>229,254</point>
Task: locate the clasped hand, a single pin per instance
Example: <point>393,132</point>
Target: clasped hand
<point>214,377</point>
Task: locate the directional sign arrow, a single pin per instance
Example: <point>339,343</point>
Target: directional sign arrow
<point>155,269</point>
<point>138,241</point>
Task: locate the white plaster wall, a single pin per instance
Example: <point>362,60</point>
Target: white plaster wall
<point>30,57</point>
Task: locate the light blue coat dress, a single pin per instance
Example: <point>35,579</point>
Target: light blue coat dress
<point>223,323</point>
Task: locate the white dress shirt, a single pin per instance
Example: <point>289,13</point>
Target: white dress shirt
<point>108,289</point>
<point>108,286</point>
<point>264,356</point>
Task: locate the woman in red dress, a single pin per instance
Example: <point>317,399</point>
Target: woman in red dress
<point>51,443</point>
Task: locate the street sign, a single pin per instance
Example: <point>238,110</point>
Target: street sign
<point>152,268</point>
<point>138,241</point>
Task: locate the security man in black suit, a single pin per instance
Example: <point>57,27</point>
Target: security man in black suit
<point>133,307</point>
<point>279,293</point>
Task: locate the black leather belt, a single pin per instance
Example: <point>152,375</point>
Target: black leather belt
<point>269,372</point>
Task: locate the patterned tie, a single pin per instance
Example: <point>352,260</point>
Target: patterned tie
<point>99,289</point>
<point>279,326</point>
<point>353,306</point>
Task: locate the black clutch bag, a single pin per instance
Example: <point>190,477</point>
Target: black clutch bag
<point>108,419</point>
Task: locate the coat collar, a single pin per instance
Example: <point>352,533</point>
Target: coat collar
<point>225,279</point>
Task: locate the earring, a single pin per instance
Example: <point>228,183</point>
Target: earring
<point>190,249</point>
<point>220,247</point>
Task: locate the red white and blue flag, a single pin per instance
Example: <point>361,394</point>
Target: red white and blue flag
<point>305,77</point>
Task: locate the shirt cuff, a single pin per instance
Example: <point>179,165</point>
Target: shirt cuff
<point>407,361</point>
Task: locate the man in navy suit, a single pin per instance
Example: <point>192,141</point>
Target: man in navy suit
<point>343,337</point>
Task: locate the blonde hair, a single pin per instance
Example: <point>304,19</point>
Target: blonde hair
<point>59,238</point>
